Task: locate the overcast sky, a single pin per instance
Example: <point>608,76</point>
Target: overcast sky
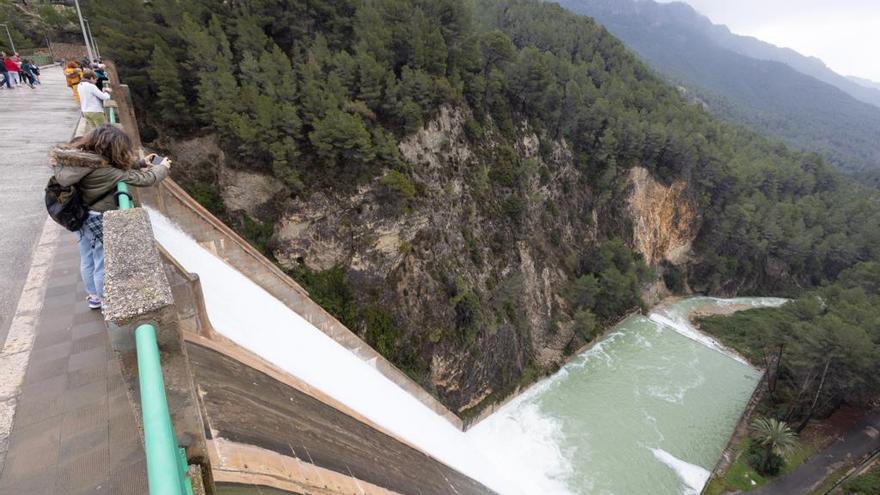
<point>845,34</point>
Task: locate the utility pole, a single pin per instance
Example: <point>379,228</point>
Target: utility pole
<point>92,39</point>
<point>82,26</point>
<point>11,43</point>
<point>49,46</point>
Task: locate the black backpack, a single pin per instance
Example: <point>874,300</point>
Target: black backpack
<point>66,206</point>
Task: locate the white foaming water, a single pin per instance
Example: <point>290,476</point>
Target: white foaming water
<point>684,328</point>
<point>677,318</point>
<point>527,441</point>
<point>251,317</point>
<point>694,477</point>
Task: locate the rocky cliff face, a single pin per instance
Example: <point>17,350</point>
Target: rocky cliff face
<point>664,218</point>
<point>473,269</point>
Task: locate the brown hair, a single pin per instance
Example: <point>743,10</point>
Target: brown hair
<point>89,74</point>
<point>110,142</point>
<point>72,64</point>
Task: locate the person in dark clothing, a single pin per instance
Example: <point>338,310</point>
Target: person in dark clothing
<point>102,75</point>
<point>30,72</point>
<point>3,71</point>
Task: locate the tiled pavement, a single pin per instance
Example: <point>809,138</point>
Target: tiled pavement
<point>74,430</point>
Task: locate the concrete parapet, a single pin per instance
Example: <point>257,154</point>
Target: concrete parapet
<point>135,285</point>
<point>137,291</point>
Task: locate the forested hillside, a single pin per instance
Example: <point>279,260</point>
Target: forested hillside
<point>453,180</point>
<point>744,81</point>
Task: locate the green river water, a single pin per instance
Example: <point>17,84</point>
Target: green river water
<point>646,411</point>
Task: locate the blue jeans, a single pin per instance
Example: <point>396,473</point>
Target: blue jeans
<point>91,262</point>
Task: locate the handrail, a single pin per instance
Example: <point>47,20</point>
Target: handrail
<point>123,198</point>
<point>110,106</point>
<point>166,461</point>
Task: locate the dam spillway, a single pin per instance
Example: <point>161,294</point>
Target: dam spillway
<point>646,410</point>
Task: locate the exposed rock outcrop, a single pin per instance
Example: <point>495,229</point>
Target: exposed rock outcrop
<point>664,219</point>
<point>474,269</point>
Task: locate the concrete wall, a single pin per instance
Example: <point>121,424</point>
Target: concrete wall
<point>269,429</point>
<point>136,292</point>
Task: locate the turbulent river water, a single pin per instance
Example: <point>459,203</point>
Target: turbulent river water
<point>646,411</point>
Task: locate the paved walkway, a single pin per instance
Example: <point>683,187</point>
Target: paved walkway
<point>74,431</point>
<point>33,120</point>
<point>66,424</point>
<point>858,442</point>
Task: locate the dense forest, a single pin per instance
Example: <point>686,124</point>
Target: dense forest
<point>821,349</point>
<point>321,94</point>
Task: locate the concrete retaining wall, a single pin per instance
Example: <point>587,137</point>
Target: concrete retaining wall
<point>728,455</point>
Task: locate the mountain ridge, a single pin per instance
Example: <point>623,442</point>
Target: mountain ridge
<point>769,96</point>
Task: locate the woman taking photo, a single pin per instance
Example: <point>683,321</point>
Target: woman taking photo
<point>95,163</point>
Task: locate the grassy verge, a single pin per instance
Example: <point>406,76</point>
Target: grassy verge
<point>867,483</point>
<point>739,477</point>
<point>742,477</point>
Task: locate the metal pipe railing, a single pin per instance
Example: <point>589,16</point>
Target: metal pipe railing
<point>166,462</point>
<point>123,198</point>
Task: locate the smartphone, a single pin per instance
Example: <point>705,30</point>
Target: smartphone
<point>157,160</point>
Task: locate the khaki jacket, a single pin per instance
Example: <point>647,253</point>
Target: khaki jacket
<point>94,175</point>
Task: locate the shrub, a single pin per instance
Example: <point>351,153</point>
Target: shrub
<point>400,184</point>
<point>674,280</point>
<point>259,234</point>
<point>866,484</point>
<point>467,312</point>
<point>206,195</point>
<point>585,324</point>
<point>765,462</point>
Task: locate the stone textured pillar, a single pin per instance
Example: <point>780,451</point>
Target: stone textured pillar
<point>137,291</point>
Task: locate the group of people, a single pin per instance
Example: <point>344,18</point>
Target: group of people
<point>17,72</point>
<point>75,72</point>
<point>94,164</point>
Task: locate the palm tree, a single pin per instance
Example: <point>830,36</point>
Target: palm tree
<point>775,436</point>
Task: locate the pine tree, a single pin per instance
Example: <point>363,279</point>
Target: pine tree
<point>170,101</point>
<point>343,141</point>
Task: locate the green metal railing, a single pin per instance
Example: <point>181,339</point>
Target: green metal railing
<point>166,461</point>
<point>123,198</point>
<point>40,60</point>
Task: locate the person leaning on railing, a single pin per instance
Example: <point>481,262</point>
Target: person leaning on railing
<point>95,163</point>
<point>91,100</point>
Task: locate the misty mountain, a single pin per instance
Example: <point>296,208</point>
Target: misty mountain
<point>744,80</point>
<point>811,66</point>
<point>861,81</point>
